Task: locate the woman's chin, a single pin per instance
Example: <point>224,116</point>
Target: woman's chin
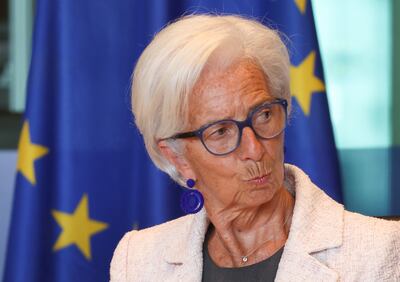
<point>260,195</point>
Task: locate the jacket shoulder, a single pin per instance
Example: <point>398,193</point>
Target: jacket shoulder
<point>372,245</point>
<point>375,234</point>
<point>135,246</point>
<point>362,224</point>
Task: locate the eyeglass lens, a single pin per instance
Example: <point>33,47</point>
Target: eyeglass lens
<point>223,137</point>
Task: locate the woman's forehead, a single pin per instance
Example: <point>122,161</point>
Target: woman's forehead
<point>231,93</point>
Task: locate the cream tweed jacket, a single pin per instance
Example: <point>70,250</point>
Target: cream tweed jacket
<point>325,243</point>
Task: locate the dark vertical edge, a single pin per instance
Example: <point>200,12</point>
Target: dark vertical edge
<point>395,115</point>
<point>396,72</point>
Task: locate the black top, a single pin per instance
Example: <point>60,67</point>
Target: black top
<point>262,271</point>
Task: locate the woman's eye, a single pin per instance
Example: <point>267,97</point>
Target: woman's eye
<point>265,115</point>
<point>220,131</point>
<point>217,133</point>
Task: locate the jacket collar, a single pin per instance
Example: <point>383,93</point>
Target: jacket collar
<point>317,225</point>
<point>317,222</point>
<point>186,252</point>
<point>190,246</point>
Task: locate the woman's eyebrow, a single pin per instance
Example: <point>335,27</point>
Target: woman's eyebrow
<point>266,101</point>
<point>216,120</point>
<point>230,117</point>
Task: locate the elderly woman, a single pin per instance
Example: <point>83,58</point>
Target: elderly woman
<point>211,98</point>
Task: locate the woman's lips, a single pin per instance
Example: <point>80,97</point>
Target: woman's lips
<point>260,180</point>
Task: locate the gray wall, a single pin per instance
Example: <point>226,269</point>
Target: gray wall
<point>8,162</point>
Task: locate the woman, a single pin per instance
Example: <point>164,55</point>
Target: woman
<point>211,98</point>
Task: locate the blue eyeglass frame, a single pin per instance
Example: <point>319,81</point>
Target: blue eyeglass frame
<point>240,124</point>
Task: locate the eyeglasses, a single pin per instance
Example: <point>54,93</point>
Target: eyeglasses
<point>223,137</point>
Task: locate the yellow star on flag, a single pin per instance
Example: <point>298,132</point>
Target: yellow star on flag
<point>301,5</point>
<point>77,228</point>
<point>303,82</point>
<point>28,153</point>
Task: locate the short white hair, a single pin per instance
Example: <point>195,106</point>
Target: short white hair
<point>172,63</point>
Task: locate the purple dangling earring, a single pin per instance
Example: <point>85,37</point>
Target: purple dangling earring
<point>192,200</point>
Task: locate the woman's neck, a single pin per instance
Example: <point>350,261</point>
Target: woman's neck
<point>256,232</point>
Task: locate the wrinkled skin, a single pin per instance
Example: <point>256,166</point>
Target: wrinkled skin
<point>244,194</point>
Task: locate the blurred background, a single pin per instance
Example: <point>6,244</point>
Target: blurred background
<point>361,62</point>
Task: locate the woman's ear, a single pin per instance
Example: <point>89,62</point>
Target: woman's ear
<point>178,160</point>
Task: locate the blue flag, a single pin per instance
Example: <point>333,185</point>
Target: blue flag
<point>309,137</point>
<point>83,175</point>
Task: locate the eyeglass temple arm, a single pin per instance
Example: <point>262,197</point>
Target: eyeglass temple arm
<point>185,135</point>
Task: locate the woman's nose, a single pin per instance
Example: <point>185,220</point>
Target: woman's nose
<point>250,146</point>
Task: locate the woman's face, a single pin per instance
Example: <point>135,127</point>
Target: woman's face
<point>253,173</point>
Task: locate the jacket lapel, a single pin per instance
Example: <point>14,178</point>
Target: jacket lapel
<point>300,266</point>
<point>186,253</point>
<point>317,225</point>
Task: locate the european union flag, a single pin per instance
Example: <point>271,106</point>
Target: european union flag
<point>84,177</point>
<point>309,137</point>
